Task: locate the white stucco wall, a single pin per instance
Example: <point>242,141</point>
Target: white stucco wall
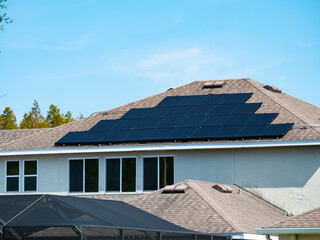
<point>289,177</point>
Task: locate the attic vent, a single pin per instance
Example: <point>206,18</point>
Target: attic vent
<point>216,84</point>
<point>272,88</point>
<point>223,188</point>
<point>174,189</point>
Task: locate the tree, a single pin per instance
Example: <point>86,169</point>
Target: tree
<point>68,117</point>
<point>34,118</point>
<point>8,119</point>
<point>55,118</point>
<point>3,16</point>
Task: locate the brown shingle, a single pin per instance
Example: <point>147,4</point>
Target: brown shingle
<point>290,110</point>
<point>205,209</point>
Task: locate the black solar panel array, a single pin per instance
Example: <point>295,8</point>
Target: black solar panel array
<point>184,118</point>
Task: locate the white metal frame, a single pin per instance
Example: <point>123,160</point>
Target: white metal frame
<point>12,176</point>
<point>83,173</point>
<point>120,158</point>
<point>158,170</point>
<point>31,175</point>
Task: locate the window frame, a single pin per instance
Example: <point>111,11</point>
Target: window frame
<point>106,166</point>
<point>31,175</point>
<point>12,176</point>
<point>158,170</point>
<point>83,174</point>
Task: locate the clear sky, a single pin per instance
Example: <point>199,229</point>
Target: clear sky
<point>92,55</point>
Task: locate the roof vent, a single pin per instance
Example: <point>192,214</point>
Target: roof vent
<point>174,189</point>
<point>216,84</point>
<point>272,88</point>
<point>223,188</point>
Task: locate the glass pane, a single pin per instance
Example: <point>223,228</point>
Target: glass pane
<point>30,183</point>
<point>113,174</point>
<point>166,171</point>
<point>150,173</point>
<point>92,175</point>
<point>30,167</point>
<point>12,184</point>
<point>13,168</point>
<point>128,174</point>
<point>76,176</point>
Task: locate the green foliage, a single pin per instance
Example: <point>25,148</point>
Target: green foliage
<point>8,119</point>
<point>55,118</point>
<point>3,16</point>
<point>34,118</point>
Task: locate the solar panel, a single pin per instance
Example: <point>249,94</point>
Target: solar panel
<point>170,101</point>
<point>228,132</point>
<point>214,99</point>
<point>179,111</point>
<point>205,132</point>
<point>246,108</point>
<point>237,98</point>
<point>200,110</point>
<point>182,133</point>
<point>262,118</point>
<point>137,135</point>
<point>192,100</point>
<point>169,122</point>
<point>222,109</point>
<point>206,117</point>
<point>71,138</point>
<point>214,120</point>
<point>104,125</point>
<point>252,131</point>
<point>115,136</point>
<point>160,134</point>
<point>157,112</point>
<point>277,130</point>
<point>191,121</point>
<point>237,119</point>
<point>136,113</point>
<point>130,123</point>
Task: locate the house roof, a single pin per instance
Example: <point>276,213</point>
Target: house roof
<point>290,109</point>
<point>309,219</point>
<point>205,209</point>
<point>7,136</point>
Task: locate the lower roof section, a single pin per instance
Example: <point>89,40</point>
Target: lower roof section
<point>164,147</point>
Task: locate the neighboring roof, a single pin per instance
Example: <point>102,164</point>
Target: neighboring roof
<point>7,136</point>
<point>67,211</point>
<point>290,109</point>
<point>205,209</point>
<point>307,222</point>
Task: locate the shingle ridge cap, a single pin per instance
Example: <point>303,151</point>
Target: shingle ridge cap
<point>292,218</point>
<point>213,206</point>
<point>250,81</point>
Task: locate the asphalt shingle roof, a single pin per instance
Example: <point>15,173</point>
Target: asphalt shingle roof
<point>205,209</point>
<point>290,109</point>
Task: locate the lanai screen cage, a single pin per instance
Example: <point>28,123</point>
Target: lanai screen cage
<point>65,217</point>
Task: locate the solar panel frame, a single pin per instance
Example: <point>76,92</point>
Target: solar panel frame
<point>237,119</point>
<point>201,110</point>
<point>135,113</point>
<point>228,132</point>
<point>235,98</point>
<point>214,120</point>
<point>169,122</point>
<point>192,100</point>
<point>115,136</point>
<point>160,134</point>
<point>246,108</point>
<point>157,112</point>
<point>179,111</point>
<point>71,138</point>
<point>105,125</point>
<point>170,101</point>
<point>252,131</point>
<point>205,133</point>
<point>277,130</point>
<point>222,109</point>
<point>192,121</point>
<point>182,133</point>
<point>262,118</point>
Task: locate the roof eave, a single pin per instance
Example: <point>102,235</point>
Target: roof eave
<point>164,147</point>
<point>278,231</point>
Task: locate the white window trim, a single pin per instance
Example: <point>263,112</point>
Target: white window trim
<point>83,174</point>
<point>31,175</point>
<point>105,189</point>
<point>12,176</point>
<point>158,170</point>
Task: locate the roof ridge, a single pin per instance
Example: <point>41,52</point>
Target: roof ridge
<point>214,206</point>
<point>277,102</point>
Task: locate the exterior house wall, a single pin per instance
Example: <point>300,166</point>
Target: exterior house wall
<point>288,177</point>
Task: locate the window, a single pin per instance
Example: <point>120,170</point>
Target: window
<point>121,174</point>
<point>13,175</point>
<point>157,172</point>
<point>30,175</point>
<point>84,175</point>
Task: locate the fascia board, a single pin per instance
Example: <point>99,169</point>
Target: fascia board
<point>279,231</point>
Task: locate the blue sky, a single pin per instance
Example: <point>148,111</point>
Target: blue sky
<point>92,55</point>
